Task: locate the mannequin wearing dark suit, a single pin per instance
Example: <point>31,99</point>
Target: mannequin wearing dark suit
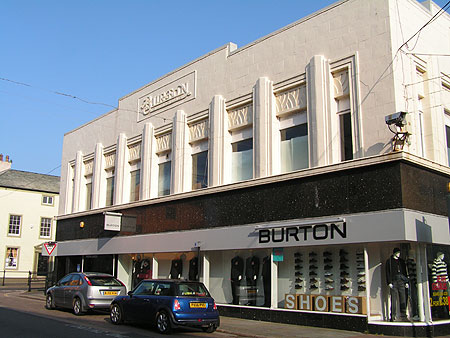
<point>397,279</point>
<point>237,270</point>
<point>251,276</point>
<point>176,270</point>
<point>193,269</point>
<point>266,277</point>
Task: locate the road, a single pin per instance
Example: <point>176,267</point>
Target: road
<point>25,317</point>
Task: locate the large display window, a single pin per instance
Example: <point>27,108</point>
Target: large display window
<point>437,264</point>
<point>328,279</point>
<point>240,277</point>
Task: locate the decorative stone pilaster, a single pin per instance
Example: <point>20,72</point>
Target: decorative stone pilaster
<point>121,160</point>
<point>218,126</point>
<point>97,175</point>
<point>146,160</point>
<point>180,144</point>
<point>77,181</point>
<point>264,128</point>
<point>320,142</point>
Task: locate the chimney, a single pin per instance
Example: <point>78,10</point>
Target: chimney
<point>5,165</point>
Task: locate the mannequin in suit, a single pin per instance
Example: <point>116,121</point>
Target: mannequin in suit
<point>176,270</point>
<point>251,276</point>
<point>397,279</point>
<point>266,277</point>
<point>193,269</point>
<point>237,271</point>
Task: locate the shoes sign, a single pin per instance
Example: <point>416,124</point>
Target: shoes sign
<point>48,249</point>
<point>325,303</point>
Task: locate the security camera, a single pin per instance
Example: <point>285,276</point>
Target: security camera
<point>397,119</point>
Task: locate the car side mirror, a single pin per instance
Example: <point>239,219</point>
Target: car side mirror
<point>130,293</point>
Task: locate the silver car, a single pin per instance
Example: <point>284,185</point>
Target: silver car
<point>83,291</point>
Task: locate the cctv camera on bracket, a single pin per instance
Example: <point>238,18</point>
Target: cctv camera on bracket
<point>397,119</point>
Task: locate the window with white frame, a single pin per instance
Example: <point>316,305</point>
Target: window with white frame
<point>47,200</point>
<point>344,113</point>
<point>164,175</point>
<point>291,108</point>
<point>198,139</point>
<point>420,86</point>
<point>88,205</point>
<point>11,258</point>
<point>46,227</point>
<point>200,170</point>
<point>134,167</point>
<point>109,200</point>
<point>242,159</point>
<point>14,225</point>
<point>135,183</point>
<point>447,133</point>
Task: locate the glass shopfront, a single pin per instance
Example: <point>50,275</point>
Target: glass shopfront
<point>437,263</point>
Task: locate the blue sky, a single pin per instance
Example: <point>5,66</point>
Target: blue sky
<point>101,50</point>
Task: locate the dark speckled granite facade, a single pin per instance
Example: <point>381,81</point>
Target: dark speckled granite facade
<point>377,187</point>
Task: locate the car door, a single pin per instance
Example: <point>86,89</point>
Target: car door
<point>58,292</point>
<point>136,308</point>
<point>162,298</point>
<point>72,287</point>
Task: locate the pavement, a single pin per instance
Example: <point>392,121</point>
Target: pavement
<point>239,327</point>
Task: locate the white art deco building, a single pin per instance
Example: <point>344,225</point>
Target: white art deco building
<point>273,174</point>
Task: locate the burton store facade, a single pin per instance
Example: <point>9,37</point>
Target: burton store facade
<point>296,177</point>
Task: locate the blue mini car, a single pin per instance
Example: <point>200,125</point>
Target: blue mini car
<point>168,304</point>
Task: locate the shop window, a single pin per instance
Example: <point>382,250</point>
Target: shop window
<point>135,183</point>
<point>294,148</point>
<point>14,225</point>
<point>242,160</point>
<point>438,260</point>
<point>47,200</point>
<point>12,257</point>
<point>46,227</point>
<point>200,170</point>
<point>164,177</point>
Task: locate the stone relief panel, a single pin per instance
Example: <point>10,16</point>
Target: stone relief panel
<point>88,167</point>
<point>163,143</point>
<point>198,131</point>
<point>240,117</point>
<point>341,84</point>
<point>290,100</point>
<point>134,152</point>
<point>109,160</point>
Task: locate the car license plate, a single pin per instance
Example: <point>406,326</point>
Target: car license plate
<point>197,305</point>
<point>110,293</point>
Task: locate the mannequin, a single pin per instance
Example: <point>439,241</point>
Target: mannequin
<point>136,270</point>
<point>237,270</point>
<point>397,279</point>
<point>266,277</point>
<point>412,274</point>
<point>176,269</point>
<point>439,309</point>
<point>439,269</point>
<point>251,276</point>
<point>193,269</point>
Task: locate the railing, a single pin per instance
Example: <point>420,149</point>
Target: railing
<point>23,279</point>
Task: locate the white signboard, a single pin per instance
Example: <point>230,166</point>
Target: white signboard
<point>112,221</point>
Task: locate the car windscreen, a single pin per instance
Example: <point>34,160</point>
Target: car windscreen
<point>192,290</point>
<point>104,281</point>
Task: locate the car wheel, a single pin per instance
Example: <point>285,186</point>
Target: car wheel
<point>163,322</point>
<point>77,306</point>
<point>49,302</point>
<point>209,329</point>
<point>116,314</point>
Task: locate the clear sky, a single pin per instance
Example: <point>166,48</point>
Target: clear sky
<point>101,50</point>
